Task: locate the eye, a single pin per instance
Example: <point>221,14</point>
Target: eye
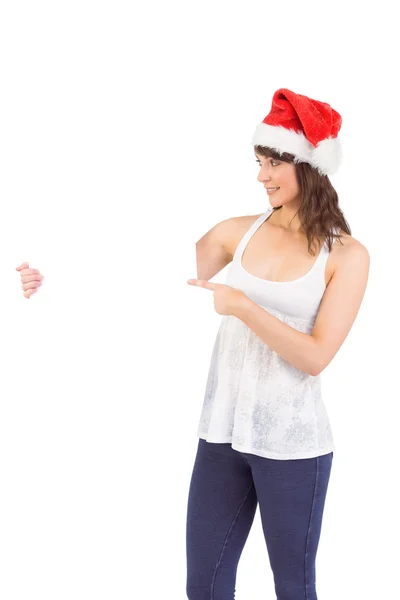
<point>273,163</point>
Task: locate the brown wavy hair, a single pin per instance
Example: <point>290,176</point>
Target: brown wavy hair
<point>319,212</point>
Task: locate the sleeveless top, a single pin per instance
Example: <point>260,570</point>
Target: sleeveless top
<point>254,399</point>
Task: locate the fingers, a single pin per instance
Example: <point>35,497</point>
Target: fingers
<point>23,266</point>
<point>34,276</point>
<point>31,279</point>
<point>31,285</point>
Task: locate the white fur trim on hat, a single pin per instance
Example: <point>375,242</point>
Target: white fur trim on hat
<point>283,140</point>
<point>326,156</point>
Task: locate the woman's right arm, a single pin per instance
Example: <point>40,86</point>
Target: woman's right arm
<point>213,250</point>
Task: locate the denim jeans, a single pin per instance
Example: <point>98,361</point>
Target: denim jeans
<point>225,488</point>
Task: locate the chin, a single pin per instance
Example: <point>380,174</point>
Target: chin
<point>278,202</point>
<point>275,202</point>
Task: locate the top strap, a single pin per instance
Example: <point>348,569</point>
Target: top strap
<point>246,238</point>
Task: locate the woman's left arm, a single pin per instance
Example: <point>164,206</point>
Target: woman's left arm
<point>337,312</point>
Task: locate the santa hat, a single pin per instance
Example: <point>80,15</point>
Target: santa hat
<point>304,127</point>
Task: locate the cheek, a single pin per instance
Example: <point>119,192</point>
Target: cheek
<point>291,181</point>
<point>287,180</point>
<point>295,184</point>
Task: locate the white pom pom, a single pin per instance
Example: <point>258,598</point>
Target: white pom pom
<point>327,155</point>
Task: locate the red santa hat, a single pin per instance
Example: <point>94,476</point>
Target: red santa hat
<point>303,127</point>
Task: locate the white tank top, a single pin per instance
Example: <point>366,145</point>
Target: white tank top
<point>254,399</point>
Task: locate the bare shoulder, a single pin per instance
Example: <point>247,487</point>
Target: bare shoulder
<point>349,247</point>
<point>226,234</point>
<point>236,229</point>
<point>349,256</point>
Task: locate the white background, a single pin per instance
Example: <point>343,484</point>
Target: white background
<point>125,136</point>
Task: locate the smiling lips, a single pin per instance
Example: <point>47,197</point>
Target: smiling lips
<point>271,190</point>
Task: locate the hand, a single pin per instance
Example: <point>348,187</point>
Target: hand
<point>226,298</point>
<point>31,279</point>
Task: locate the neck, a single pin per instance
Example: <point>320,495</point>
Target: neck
<point>286,218</point>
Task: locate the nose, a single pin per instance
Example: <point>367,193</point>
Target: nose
<point>263,175</point>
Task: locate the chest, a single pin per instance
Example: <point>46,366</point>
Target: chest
<point>275,255</point>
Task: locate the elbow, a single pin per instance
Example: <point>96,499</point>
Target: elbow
<point>319,360</point>
<point>318,367</point>
<point>314,372</point>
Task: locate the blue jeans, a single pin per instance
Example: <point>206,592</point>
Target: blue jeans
<point>225,487</point>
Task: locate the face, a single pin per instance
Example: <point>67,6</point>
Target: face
<point>275,173</point>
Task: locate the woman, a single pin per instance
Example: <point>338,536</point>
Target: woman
<point>292,293</point>
<point>31,279</point>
